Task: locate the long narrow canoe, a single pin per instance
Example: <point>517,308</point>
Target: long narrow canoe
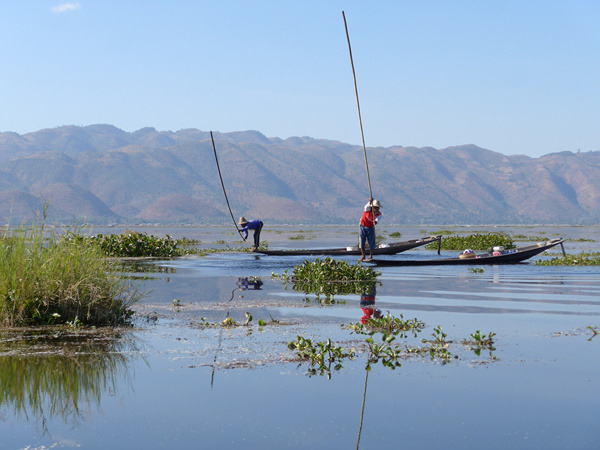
<point>388,249</point>
<point>510,257</point>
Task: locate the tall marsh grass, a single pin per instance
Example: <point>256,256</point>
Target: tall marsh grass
<point>45,280</point>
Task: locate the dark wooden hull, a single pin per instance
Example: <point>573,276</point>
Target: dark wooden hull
<point>391,249</point>
<point>516,256</point>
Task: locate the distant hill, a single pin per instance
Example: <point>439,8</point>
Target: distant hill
<point>102,174</point>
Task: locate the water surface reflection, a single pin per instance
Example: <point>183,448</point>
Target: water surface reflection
<point>56,374</point>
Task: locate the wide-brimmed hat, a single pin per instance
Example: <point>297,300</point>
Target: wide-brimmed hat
<point>242,221</point>
<point>376,204</point>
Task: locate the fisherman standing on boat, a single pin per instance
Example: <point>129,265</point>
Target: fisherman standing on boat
<point>367,227</point>
<point>255,225</point>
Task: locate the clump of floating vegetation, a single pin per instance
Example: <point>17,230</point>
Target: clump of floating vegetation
<point>580,259</point>
<point>331,269</point>
<point>330,277</point>
<point>442,231</point>
<point>133,244</point>
<point>474,242</point>
<point>395,234</point>
<point>523,237</point>
<point>45,280</point>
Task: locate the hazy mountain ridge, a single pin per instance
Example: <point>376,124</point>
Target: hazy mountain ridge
<point>103,174</point>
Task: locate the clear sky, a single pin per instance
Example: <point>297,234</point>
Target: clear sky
<point>516,77</point>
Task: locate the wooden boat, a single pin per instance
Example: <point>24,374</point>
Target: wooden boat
<point>388,249</point>
<point>513,256</point>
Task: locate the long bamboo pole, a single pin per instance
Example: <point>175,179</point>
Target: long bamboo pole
<point>362,134</point>
<point>358,106</point>
<point>223,185</point>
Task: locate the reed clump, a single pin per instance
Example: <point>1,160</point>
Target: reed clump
<point>45,281</point>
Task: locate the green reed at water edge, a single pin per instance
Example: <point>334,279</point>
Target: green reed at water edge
<point>45,280</point>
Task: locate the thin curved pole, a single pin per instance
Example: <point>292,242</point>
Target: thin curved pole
<point>362,411</point>
<point>358,106</point>
<point>223,185</point>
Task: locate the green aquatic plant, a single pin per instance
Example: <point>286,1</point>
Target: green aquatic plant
<point>322,356</point>
<point>300,236</point>
<point>443,231</point>
<point>329,277</point>
<point>439,344</point>
<point>474,242</point>
<point>388,325</point>
<point>581,259</point>
<point>480,341</point>
<point>395,234</point>
<point>523,237</point>
<point>229,322</point>
<point>45,280</point>
<point>390,328</point>
<point>329,289</point>
<point>476,269</point>
<point>133,244</point>
<point>331,269</point>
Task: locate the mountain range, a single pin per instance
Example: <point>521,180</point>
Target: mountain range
<point>101,174</point>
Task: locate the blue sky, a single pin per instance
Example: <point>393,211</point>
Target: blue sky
<point>516,77</point>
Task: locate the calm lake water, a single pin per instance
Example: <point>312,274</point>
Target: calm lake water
<point>174,382</point>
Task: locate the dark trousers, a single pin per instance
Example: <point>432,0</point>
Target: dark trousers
<point>257,235</point>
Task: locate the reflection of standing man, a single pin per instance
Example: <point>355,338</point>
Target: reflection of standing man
<point>252,284</point>
<point>367,304</point>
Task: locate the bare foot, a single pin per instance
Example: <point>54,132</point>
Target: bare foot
<point>369,259</point>
<point>362,258</point>
<point>254,249</point>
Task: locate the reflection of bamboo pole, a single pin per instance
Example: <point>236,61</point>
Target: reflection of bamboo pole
<point>212,377</point>
<point>362,411</point>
